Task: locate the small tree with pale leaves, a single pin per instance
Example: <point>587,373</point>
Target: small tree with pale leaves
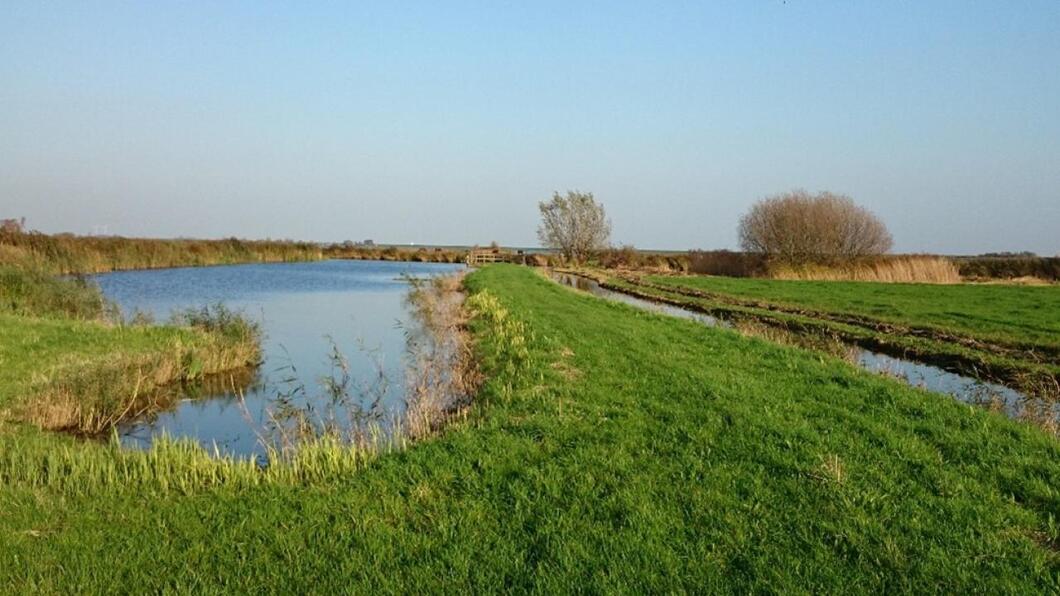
<point>574,224</point>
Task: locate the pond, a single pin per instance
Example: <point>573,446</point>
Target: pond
<point>306,310</point>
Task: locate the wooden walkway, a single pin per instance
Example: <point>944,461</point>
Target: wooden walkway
<point>484,256</point>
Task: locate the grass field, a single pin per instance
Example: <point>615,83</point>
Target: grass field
<point>1018,315</point>
<point>997,333</point>
<point>610,450</point>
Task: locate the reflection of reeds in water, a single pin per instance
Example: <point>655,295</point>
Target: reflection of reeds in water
<point>440,378</point>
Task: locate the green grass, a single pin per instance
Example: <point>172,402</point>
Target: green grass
<point>32,293</point>
<point>1013,314</point>
<point>37,346</point>
<point>611,450</point>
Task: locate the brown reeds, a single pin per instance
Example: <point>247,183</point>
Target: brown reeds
<point>903,269</point>
<point>442,376</point>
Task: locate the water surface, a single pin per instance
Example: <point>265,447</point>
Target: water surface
<point>359,304</point>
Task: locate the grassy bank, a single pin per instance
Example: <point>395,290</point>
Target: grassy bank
<point>1014,315</point>
<point>611,450</point>
<point>995,333</point>
<point>68,361</point>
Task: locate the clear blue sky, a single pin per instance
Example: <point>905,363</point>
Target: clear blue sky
<point>442,122</point>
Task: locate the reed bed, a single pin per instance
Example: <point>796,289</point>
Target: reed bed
<point>394,253</point>
<point>32,293</point>
<point>91,397</point>
<point>442,376</point>
<point>904,269</point>
<point>65,254</point>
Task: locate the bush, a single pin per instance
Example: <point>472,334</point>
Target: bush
<point>797,228</point>
<point>623,257</point>
<point>1010,267</point>
<point>728,263</point>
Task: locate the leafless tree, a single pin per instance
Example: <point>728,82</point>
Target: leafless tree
<point>575,224</point>
<point>797,227</point>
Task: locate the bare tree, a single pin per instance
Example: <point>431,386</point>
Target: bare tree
<point>575,224</point>
<point>797,227</point>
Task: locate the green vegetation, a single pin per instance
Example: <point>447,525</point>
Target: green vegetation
<point>66,254</point>
<point>1026,358</point>
<point>1014,315</point>
<point>610,450</point>
<point>67,362</point>
<point>36,294</point>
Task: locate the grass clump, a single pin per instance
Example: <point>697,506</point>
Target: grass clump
<point>32,293</point>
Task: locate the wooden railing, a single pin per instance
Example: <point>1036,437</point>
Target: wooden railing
<point>482,257</point>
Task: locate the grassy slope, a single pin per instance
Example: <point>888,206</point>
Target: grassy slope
<point>656,454</point>
<point>1012,313</point>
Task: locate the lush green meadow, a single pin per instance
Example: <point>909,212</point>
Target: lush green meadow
<point>1000,333</point>
<point>610,450</point>
<point>1016,315</point>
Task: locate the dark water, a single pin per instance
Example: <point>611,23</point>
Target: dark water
<point>360,304</point>
<point>925,376</point>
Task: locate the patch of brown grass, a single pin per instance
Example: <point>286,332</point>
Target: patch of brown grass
<point>904,269</point>
<point>442,376</point>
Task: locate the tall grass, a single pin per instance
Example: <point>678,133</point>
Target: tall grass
<point>903,269</point>
<point>180,466</point>
<point>32,293</point>
<point>442,375</point>
<point>67,254</point>
<point>93,397</point>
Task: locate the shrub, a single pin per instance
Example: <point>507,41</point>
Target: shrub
<point>797,228</point>
<point>624,257</point>
<point>1010,267</point>
<point>727,262</point>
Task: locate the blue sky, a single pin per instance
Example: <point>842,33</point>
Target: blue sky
<point>448,122</point>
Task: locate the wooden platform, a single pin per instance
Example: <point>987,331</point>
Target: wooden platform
<point>484,256</point>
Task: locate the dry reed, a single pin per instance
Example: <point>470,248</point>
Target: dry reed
<point>904,269</point>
